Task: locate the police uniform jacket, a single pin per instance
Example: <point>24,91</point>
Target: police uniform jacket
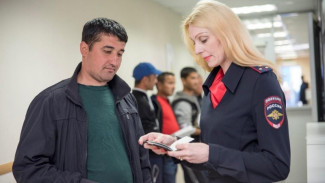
<point>247,132</point>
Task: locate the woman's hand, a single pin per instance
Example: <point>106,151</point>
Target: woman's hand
<point>156,137</point>
<point>191,152</point>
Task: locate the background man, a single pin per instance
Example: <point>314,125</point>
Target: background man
<point>167,119</point>
<point>187,109</point>
<point>302,92</point>
<point>145,75</point>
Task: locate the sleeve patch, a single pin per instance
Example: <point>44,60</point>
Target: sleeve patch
<point>273,111</point>
<point>262,69</point>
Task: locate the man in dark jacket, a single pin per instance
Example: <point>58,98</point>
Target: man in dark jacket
<point>302,93</point>
<point>145,75</point>
<point>85,129</point>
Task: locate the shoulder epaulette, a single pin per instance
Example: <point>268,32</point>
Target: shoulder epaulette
<point>261,69</point>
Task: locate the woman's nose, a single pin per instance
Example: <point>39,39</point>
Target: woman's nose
<point>198,49</point>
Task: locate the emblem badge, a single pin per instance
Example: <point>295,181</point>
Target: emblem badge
<point>274,112</point>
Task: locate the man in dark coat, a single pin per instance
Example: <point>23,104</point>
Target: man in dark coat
<point>85,129</point>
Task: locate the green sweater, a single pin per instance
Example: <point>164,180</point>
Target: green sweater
<point>107,159</point>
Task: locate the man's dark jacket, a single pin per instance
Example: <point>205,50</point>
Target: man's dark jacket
<point>147,115</point>
<point>53,142</point>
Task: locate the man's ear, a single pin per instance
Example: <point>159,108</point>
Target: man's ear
<point>183,81</point>
<point>158,85</point>
<point>84,49</point>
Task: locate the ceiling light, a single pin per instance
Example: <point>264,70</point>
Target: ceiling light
<point>280,34</point>
<point>304,46</point>
<point>282,42</point>
<point>290,55</point>
<point>283,49</point>
<point>254,9</point>
<point>266,25</point>
<point>286,48</point>
<point>276,34</point>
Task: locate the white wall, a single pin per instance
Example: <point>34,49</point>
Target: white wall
<point>39,46</point>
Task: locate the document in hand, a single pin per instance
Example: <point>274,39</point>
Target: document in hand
<point>183,140</point>
<point>186,131</point>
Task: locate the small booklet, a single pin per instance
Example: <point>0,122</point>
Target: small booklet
<point>172,147</point>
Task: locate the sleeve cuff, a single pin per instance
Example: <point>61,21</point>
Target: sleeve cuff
<point>214,154</point>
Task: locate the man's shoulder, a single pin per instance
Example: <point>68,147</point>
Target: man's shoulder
<point>51,93</point>
<point>56,89</point>
<point>140,96</point>
<point>181,103</point>
<point>183,97</point>
<point>129,102</point>
<point>137,91</point>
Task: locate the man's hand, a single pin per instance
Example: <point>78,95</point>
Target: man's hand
<point>156,137</point>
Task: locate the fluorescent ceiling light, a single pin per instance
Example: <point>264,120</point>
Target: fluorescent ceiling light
<point>266,25</point>
<point>304,46</point>
<point>282,42</point>
<point>290,48</point>
<point>280,34</point>
<point>254,9</point>
<point>276,34</point>
<point>290,55</point>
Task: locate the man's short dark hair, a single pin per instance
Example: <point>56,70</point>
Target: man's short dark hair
<point>186,71</point>
<point>93,30</point>
<point>161,77</point>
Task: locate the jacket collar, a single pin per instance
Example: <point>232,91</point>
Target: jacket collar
<point>139,90</point>
<point>231,78</point>
<point>118,87</point>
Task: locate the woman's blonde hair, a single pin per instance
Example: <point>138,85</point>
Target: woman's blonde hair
<point>227,27</point>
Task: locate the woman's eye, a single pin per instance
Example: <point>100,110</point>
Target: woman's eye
<point>204,40</point>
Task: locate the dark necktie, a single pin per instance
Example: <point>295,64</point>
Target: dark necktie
<point>217,89</point>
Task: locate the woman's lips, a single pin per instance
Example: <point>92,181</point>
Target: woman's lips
<point>207,58</point>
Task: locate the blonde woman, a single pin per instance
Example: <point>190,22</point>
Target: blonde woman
<point>244,127</point>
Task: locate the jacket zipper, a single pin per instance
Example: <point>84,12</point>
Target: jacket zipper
<point>124,136</point>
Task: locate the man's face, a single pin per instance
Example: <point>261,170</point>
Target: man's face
<point>168,86</point>
<point>191,82</point>
<point>101,63</point>
<point>151,81</point>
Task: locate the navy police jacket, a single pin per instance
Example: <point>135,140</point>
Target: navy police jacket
<point>247,132</point>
